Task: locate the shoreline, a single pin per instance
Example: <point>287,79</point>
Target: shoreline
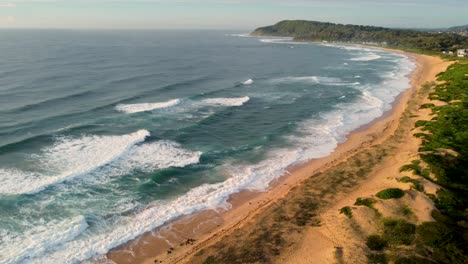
<point>188,234</point>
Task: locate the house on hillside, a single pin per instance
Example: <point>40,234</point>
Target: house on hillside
<point>462,53</point>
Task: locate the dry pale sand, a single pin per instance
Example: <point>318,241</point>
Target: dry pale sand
<point>178,241</point>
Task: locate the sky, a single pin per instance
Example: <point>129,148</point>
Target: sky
<point>227,14</point>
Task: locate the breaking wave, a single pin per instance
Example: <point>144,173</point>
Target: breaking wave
<point>72,158</point>
<point>143,107</point>
<point>226,101</point>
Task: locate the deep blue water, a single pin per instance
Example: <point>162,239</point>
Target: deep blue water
<point>105,135</point>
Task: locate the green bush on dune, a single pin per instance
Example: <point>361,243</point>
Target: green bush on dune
<point>369,202</point>
<point>416,185</point>
<point>376,242</point>
<point>377,259</point>
<point>346,211</point>
<point>390,193</point>
<point>412,260</point>
<point>399,231</point>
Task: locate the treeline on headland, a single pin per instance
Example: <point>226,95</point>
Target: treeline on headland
<point>303,30</point>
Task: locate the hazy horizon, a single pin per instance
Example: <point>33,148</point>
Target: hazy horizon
<point>224,14</point>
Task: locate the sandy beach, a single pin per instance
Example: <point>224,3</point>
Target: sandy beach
<point>183,240</point>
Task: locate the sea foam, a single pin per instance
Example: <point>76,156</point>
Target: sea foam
<point>143,107</point>
<point>77,157</point>
<point>283,40</point>
<point>226,101</point>
<point>332,81</point>
<point>247,82</point>
<point>367,57</point>
<point>36,241</point>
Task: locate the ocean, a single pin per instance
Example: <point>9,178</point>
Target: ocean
<point>106,135</point>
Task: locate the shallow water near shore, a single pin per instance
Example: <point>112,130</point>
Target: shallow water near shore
<point>107,135</point>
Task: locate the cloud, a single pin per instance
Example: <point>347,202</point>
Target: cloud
<point>7,5</point>
<point>7,20</point>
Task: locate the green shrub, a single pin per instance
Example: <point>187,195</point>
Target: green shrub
<point>369,202</point>
<point>406,211</point>
<point>414,166</point>
<point>376,242</point>
<point>434,234</point>
<point>377,259</point>
<point>398,231</point>
<point>390,193</point>
<point>346,211</point>
<point>450,253</point>
<point>420,123</point>
<point>416,185</point>
<point>429,105</point>
<point>412,260</point>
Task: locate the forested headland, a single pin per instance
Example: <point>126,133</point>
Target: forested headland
<point>302,30</point>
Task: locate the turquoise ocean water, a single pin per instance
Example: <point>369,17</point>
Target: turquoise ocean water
<point>105,135</point>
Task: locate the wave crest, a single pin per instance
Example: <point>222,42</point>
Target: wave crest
<point>103,158</point>
<point>39,239</point>
<point>227,101</point>
<point>247,82</point>
<point>144,107</point>
<point>316,80</point>
<point>367,57</point>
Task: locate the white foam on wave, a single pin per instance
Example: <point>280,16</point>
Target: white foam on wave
<point>226,101</point>
<point>244,35</point>
<point>315,79</point>
<point>144,107</point>
<point>67,159</point>
<point>64,242</point>
<point>367,57</point>
<point>283,40</point>
<point>349,47</point>
<point>155,156</point>
<point>249,81</point>
<point>97,158</point>
<point>36,241</point>
<point>362,53</point>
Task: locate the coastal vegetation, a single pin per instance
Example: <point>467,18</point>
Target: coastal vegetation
<point>283,223</point>
<point>416,185</point>
<point>376,242</point>
<point>443,152</point>
<point>412,40</point>
<point>443,161</point>
<point>348,211</point>
<point>390,193</point>
<point>369,202</point>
